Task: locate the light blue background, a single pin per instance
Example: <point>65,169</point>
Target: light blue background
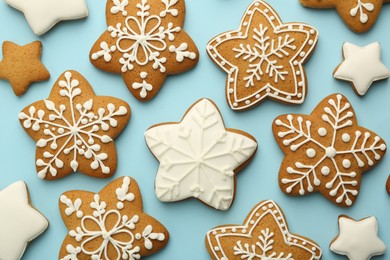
<point>67,47</point>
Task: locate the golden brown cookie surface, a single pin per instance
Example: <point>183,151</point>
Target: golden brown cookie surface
<point>110,224</point>
<point>326,151</point>
<point>359,15</point>
<point>75,129</point>
<point>263,235</point>
<point>21,65</point>
<point>264,58</point>
<point>145,42</point>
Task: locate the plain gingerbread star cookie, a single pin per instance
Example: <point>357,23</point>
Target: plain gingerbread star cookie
<point>145,42</point>
<point>264,235</point>
<point>110,224</point>
<point>75,129</point>
<point>199,157</point>
<point>264,58</point>
<point>21,65</point>
<point>20,223</point>
<point>362,66</point>
<point>42,15</point>
<point>358,239</point>
<point>359,15</point>
<point>326,151</point>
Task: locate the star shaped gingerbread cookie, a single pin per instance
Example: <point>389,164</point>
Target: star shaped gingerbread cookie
<point>75,129</point>
<point>199,157</point>
<point>20,223</point>
<point>42,15</point>
<point>264,58</point>
<point>21,65</point>
<point>359,15</point>
<point>326,151</point>
<point>145,42</point>
<point>110,224</point>
<point>263,235</point>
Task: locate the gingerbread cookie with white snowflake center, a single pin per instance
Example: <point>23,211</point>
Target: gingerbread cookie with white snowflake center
<point>264,58</point>
<point>326,151</point>
<point>109,225</point>
<point>359,15</point>
<point>145,42</point>
<point>263,235</point>
<point>75,129</point>
<point>199,157</point>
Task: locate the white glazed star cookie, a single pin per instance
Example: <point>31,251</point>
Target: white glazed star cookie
<point>42,15</point>
<point>362,66</point>
<point>20,223</point>
<point>199,157</point>
<point>358,239</point>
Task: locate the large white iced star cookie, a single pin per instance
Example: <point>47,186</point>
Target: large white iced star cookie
<point>42,15</point>
<point>19,222</point>
<point>358,239</point>
<point>361,66</point>
<point>199,156</point>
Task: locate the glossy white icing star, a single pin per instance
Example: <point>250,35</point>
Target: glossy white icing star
<point>358,239</point>
<point>19,222</point>
<point>199,157</point>
<point>361,66</point>
<point>42,15</point>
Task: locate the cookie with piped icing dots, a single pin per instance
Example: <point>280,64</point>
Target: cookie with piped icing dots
<point>145,42</point>
<point>359,15</point>
<point>110,224</point>
<point>264,58</point>
<point>74,129</point>
<point>326,151</point>
<point>264,234</point>
<point>199,157</point>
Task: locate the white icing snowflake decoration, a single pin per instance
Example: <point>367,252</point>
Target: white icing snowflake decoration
<point>326,151</point>
<point>74,129</point>
<point>124,232</point>
<point>198,157</point>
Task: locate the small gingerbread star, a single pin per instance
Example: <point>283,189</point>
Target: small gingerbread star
<point>358,239</point>
<point>21,65</point>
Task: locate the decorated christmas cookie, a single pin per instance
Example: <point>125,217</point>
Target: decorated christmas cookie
<point>21,65</point>
<point>42,15</point>
<point>145,42</point>
<point>20,223</point>
<point>263,235</point>
<point>361,66</point>
<point>358,240</point>
<point>388,185</point>
<point>326,151</point>
<point>199,157</point>
<point>264,58</point>
<point>109,225</point>
<point>75,129</point>
<point>359,15</point>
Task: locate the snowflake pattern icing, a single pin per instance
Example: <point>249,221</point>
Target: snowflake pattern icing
<point>122,236</point>
<point>148,36</point>
<point>334,154</point>
<point>264,244</point>
<point>264,58</point>
<point>359,8</point>
<point>71,129</point>
<point>198,157</point>
<point>263,236</point>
